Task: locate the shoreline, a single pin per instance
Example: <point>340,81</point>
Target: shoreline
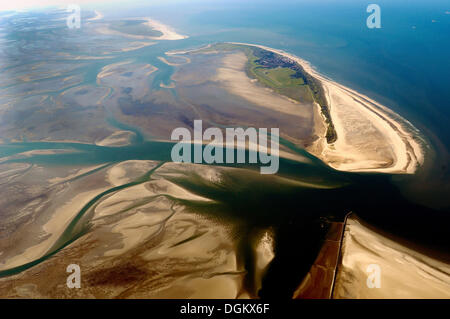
<point>406,270</point>
<point>408,153</point>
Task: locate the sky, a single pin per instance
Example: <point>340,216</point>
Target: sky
<point>27,4</point>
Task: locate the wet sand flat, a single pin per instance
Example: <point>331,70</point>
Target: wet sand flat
<point>404,272</point>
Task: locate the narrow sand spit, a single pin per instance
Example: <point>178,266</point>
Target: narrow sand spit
<point>52,230</point>
<point>371,137</point>
<point>168,86</point>
<point>98,16</point>
<point>167,32</point>
<point>118,138</point>
<point>404,272</point>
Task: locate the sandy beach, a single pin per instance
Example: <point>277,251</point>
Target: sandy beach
<point>404,272</point>
<point>142,243</point>
<point>371,137</point>
<point>168,33</point>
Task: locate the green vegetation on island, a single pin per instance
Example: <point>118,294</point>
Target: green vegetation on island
<point>286,77</point>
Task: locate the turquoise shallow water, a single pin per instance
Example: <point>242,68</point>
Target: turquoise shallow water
<point>406,68</point>
<point>403,65</point>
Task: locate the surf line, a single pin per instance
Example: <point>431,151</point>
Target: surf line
<point>76,229</point>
